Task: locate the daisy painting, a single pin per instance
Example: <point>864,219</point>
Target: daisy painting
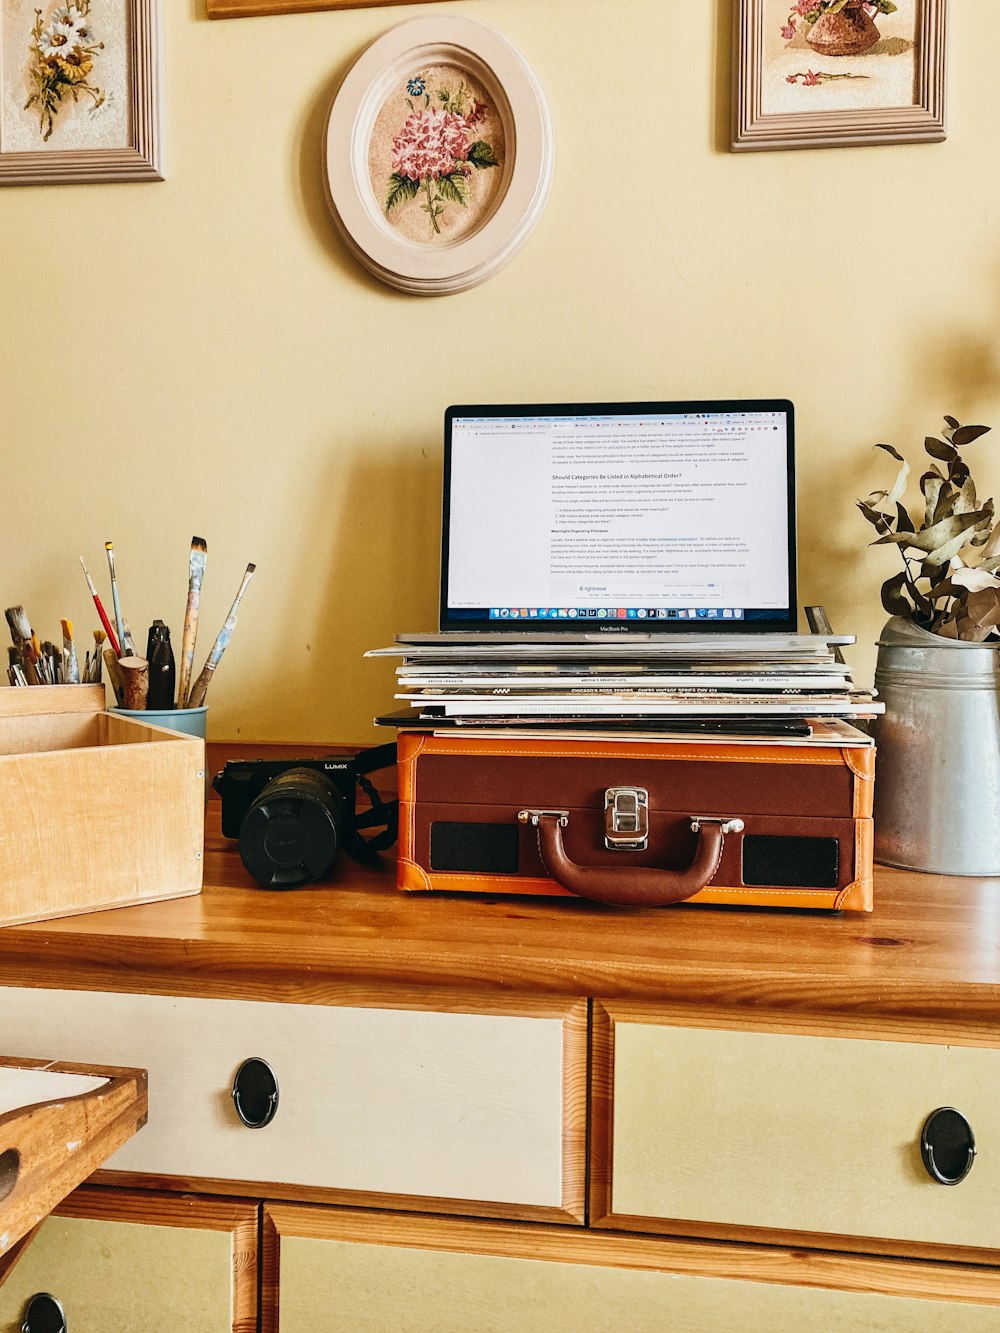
<point>63,50</point>
<point>65,75</point>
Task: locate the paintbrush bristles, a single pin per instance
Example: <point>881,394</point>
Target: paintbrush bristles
<point>196,573</point>
<point>20,625</point>
<point>70,664</point>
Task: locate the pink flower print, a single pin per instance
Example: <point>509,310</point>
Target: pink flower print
<point>810,79</point>
<point>430,145</point>
<point>788,31</point>
<point>804,7</point>
<point>792,78</point>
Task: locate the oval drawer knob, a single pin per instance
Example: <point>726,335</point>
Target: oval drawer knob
<point>255,1093</point>
<point>44,1314</point>
<point>947,1146</point>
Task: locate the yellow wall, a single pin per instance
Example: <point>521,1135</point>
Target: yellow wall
<point>202,355</point>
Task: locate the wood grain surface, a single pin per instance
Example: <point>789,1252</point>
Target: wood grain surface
<point>48,1148</point>
<point>930,951</point>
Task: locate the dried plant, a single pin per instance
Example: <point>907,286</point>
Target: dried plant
<point>949,583</point>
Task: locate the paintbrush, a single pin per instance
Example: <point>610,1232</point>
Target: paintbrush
<point>97,661</point>
<point>124,638</point>
<point>71,667</point>
<point>200,687</point>
<point>196,572</point>
<point>20,633</point>
<point>100,610</point>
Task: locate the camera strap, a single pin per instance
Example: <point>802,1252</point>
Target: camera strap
<point>383,815</point>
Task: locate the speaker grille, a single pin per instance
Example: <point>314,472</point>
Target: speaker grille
<point>804,863</point>
<point>489,849</point>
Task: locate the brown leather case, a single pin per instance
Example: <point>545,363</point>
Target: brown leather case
<point>753,825</point>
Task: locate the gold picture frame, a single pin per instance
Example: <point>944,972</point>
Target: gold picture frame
<point>80,94</point>
<point>245,9</point>
<point>794,87</point>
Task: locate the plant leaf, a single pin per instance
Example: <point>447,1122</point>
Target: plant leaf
<point>903,521</point>
<point>932,492</point>
<point>945,506</point>
<point>890,450</point>
<point>877,519</point>
<point>481,155</point>
<point>952,422</point>
<point>944,553</point>
<point>974,579</point>
<point>938,449</point>
<point>966,434</point>
<point>892,595</point>
<point>993,545</point>
<point>401,188</point>
<point>932,539</point>
<point>453,188</point>
<point>966,500</point>
<point>898,486</point>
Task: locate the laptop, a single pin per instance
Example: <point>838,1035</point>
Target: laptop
<point>589,522</point>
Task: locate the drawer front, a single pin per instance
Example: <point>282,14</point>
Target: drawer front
<point>190,1267</point>
<point>486,1278</point>
<point>799,1133</point>
<point>390,1101</point>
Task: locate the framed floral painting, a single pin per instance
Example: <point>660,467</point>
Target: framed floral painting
<point>80,89</point>
<point>821,73</point>
<point>439,155</point>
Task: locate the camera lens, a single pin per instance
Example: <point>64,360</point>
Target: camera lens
<point>292,830</point>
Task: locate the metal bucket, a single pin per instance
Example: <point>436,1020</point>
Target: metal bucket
<point>937,792</point>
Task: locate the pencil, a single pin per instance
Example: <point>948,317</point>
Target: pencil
<point>200,687</point>
<point>196,572</point>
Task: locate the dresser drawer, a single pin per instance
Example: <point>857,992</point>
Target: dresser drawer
<point>327,1270</point>
<point>791,1134</point>
<point>121,1261</point>
<point>471,1108</point>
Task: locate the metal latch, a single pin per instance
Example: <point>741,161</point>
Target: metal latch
<point>534,817</point>
<point>725,824</point>
<point>626,819</point>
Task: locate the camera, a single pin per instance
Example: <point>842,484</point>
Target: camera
<point>292,817</point>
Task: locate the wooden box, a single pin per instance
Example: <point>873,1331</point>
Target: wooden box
<point>96,810</point>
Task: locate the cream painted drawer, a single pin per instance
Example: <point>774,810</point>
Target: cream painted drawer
<point>792,1133</point>
<point>368,1274</point>
<point>119,1261</point>
<point>483,1107</point>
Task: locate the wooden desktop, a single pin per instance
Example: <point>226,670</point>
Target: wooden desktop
<point>503,1113</point>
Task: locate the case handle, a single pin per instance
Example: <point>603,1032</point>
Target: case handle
<point>636,886</point>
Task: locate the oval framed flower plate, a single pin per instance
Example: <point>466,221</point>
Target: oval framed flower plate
<point>439,155</point>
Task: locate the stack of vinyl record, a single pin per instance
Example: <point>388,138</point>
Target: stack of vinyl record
<point>767,685</point>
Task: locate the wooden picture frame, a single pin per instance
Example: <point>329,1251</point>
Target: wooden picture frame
<point>439,155</point>
<point>95,115</point>
<point>245,9</point>
<point>782,58</point>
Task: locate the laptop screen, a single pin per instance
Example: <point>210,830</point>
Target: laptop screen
<point>619,517</point>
